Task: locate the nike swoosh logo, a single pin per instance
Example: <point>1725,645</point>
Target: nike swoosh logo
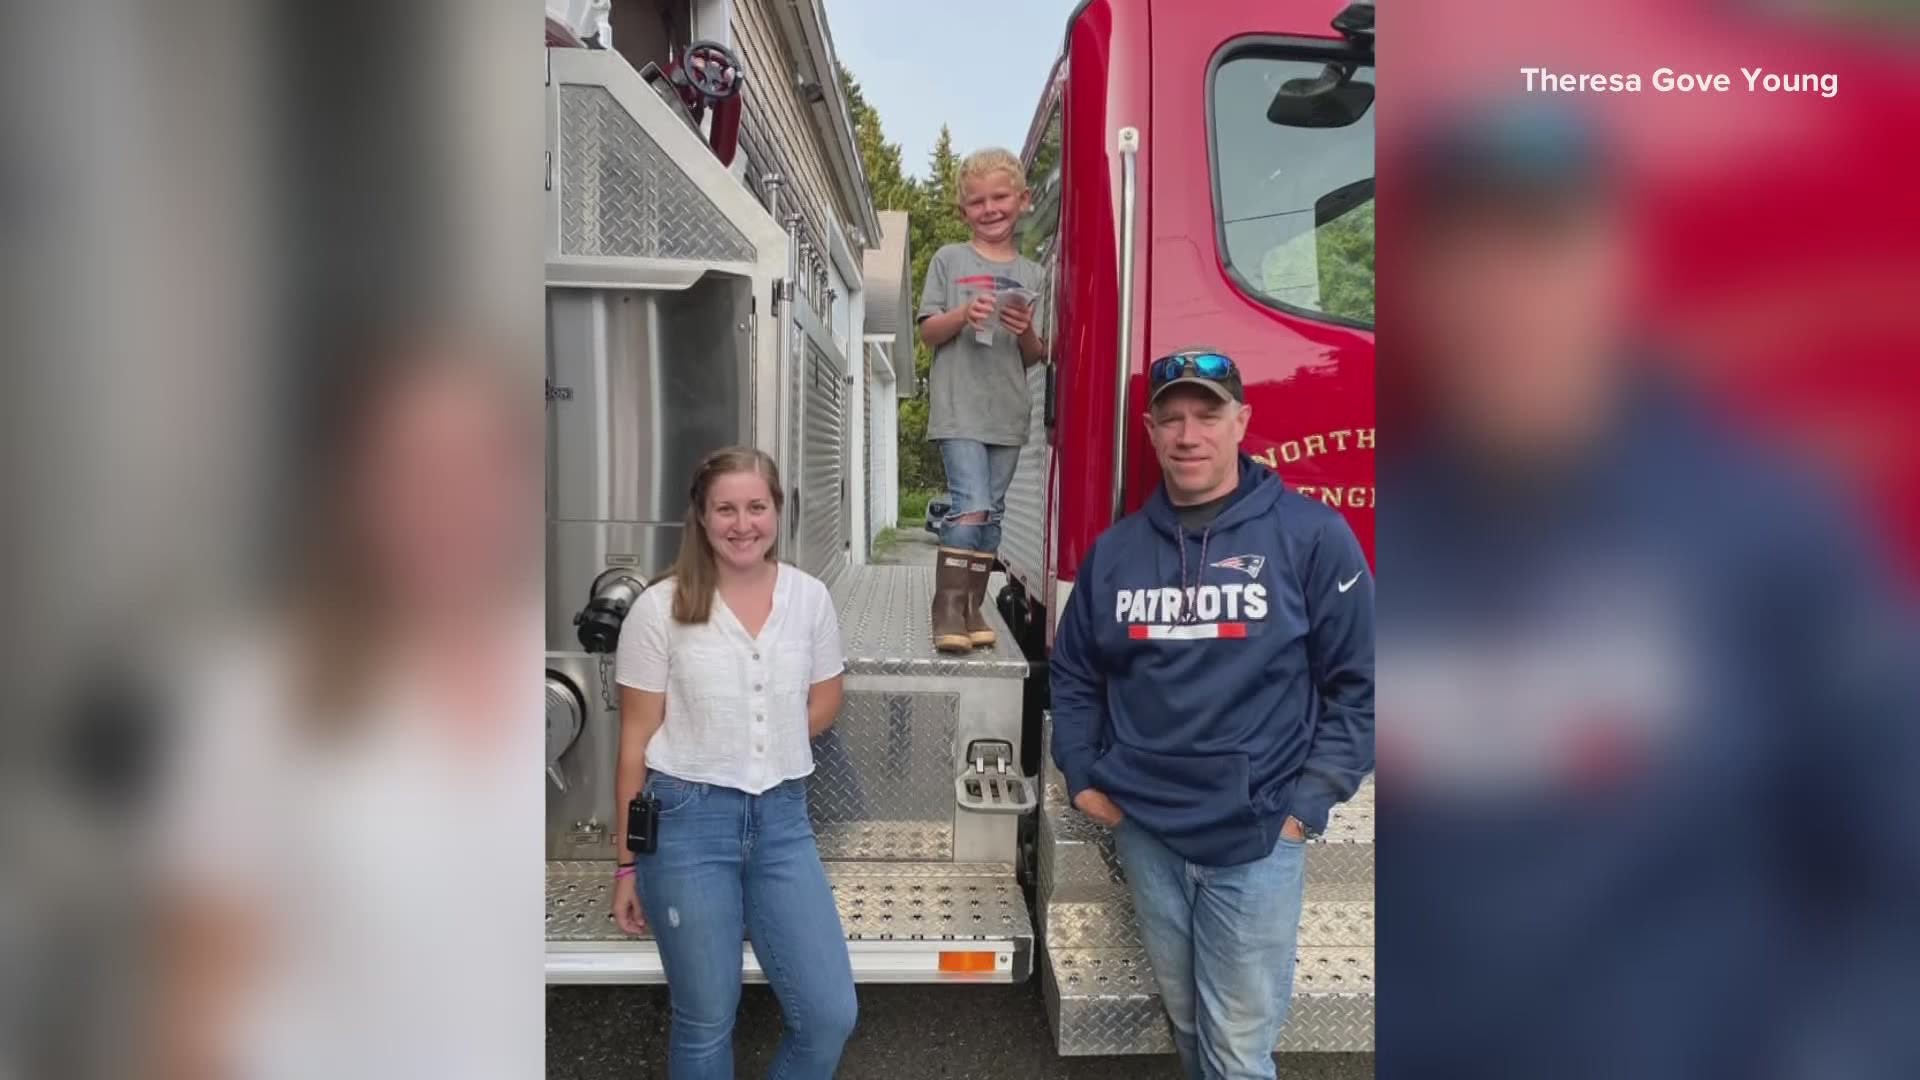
<point>1348,584</point>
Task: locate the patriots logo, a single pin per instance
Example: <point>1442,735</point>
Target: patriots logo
<point>1247,564</point>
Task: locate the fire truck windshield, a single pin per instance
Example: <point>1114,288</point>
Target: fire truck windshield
<point>1294,186</point>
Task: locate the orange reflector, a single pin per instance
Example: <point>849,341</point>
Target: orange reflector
<point>966,961</point>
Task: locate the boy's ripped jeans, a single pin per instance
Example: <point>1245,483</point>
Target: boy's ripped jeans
<point>978,476</point>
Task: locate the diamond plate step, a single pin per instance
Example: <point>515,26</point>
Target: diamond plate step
<point>1333,915</point>
<point>1103,1001</point>
<point>1077,860</point>
<point>1098,985</point>
<point>886,619</point>
<point>877,902</point>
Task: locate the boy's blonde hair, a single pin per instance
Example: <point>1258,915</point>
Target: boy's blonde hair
<point>984,163</point>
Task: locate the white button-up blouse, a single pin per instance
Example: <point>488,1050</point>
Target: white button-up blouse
<point>736,703</point>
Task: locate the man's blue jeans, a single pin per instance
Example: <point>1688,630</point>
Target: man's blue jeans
<point>732,867</point>
<point>1221,941</point>
<point>978,476</point>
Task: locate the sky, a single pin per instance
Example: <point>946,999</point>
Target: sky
<point>976,66</point>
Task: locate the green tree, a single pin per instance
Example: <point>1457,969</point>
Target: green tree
<point>893,189</point>
<point>936,222</point>
<point>1346,264</point>
<point>1041,227</point>
<point>1329,269</point>
<point>886,177</point>
<point>933,221</point>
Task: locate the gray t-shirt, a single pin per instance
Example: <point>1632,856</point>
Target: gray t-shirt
<point>978,391</point>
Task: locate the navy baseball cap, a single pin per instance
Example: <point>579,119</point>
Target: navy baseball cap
<point>1532,149</point>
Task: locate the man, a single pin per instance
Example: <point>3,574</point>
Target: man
<point>1653,748</point>
<point>1212,700</point>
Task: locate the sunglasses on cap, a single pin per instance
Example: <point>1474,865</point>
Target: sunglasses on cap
<point>1206,365</point>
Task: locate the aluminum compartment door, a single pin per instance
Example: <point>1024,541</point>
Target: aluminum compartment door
<point>641,384</point>
<point>821,514</point>
<point>1023,526</point>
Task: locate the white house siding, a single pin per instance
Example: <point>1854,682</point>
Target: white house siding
<point>787,140</point>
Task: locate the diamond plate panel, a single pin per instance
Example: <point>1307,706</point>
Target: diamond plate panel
<point>620,194</point>
<point>580,902</point>
<point>887,840</point>
<point>1332,970</point>
<point>1106,1024</point>
<point>886,618</point>
<point>1073,925</point>
<point>1077,860</point>
<point>1076,855</point>
<point>917,871</point>
<point>1337,924</point>
<point>1324,922</point>
<point>1351,822</point>
<point>1082,873</point>
<point>882,785</point>
<point>1329,1023</point>
<point>1099,986</point>
<point>1102,1001</point>
<point>1022,535</point>
<point>905,901</point>
<point>889,908</point>
<point>1345,863</point>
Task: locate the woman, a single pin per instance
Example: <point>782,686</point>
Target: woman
<point>301,934</point>
<point>727,670</point>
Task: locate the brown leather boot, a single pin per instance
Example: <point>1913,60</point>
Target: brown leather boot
<point>951,596</point>
<point>979,567</point>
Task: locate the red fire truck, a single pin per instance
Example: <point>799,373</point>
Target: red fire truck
<point>1203,176</point>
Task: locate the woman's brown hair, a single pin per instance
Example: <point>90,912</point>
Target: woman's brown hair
<point>339,605</point>
<point>696,572</point>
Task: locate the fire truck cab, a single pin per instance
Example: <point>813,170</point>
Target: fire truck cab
<point>1202,178</point>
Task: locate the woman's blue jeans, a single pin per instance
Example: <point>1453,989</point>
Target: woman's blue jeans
<point>732,867</point>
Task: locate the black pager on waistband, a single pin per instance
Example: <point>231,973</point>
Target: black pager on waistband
<point>643,824</point>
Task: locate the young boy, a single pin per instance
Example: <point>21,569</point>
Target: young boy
<point>977,315</point>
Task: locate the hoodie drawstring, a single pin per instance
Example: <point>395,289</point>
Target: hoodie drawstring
<point>1189,593</point>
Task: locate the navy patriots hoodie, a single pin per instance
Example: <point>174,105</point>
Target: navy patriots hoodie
<point>1212,682</point>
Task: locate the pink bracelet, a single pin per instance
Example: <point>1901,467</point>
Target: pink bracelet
<point>624,871</point>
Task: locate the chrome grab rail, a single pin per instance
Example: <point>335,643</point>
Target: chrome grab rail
<point>1123,364</point>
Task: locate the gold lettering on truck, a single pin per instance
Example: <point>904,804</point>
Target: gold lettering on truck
<point>1357,497</point>
<point>1312,446</point>
<point>1353,497</point>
